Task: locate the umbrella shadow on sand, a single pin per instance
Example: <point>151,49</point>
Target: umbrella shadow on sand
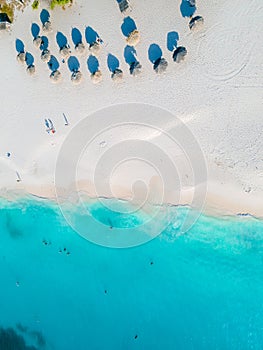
<point>187,10</point>
<point>130,54</point>
<point>44,16</point>
<point>172,39</point>
<point>20,47</point>
<point>29,59</point>
<point>91,35</point>
<point>128,26</point>
<point>112,62</point>
<point>62,40</point>
<point>35,30</point>
<point>73,64</point>
<point>53,63</point>
<point>154,52</point>
<point>93,64</point>
<point>76,36</point>
<point>44,43</point>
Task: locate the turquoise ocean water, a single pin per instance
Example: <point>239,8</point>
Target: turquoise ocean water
<point>200,290</point>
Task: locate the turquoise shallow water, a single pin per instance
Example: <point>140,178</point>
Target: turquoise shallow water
<point>201,290</point>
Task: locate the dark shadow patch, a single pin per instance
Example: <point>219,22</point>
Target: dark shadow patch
<point>187,10</point>
<point>53,63</point>
<point>172,39</point>
<point>10,340</point>
<point>62,40</point>
<point>91,35</point>
<point>93,64</point>
<point>154,52</point>
<point>13,231</point>
<point>113,62</point>
<point>44,16</point>
<point>44,43</point>
<point>76,36</point>
<point>36,336</point>
<point>21,328</point>
<point>73,64</point>
<point>20,47</point>
<point>39,338</point>
<point>130,54</point>
<point>29,59</point>
<point>35,30</point>
<point>128,26</point>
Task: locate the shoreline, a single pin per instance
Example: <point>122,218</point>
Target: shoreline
<point>216,204</point>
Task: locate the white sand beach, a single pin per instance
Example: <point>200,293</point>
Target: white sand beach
<point>216,92</point>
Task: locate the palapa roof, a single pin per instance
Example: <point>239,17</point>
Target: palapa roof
<point>160,65</point>
<point>80,48</point>
<point>76,77</point>
<point>47,27</point>
<point>55,76</point>
<point>95,48</point>
<point>179,54</point>
<point>135,68</point>
<point>31,69</point>
<point>65,52</point>
<point>117,75</point>
<point>45,55</point>
<point>195,22</point>
<point>21,57</point>
<point>96,77</point>
<point>133,38</point>
<point>37,42</point>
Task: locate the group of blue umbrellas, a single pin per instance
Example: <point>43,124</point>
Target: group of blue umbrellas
<point>94,43</point>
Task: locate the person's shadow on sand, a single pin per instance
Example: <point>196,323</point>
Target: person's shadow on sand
<point>35,30</point>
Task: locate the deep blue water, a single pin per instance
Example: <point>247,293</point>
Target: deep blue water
<point>200,290</point>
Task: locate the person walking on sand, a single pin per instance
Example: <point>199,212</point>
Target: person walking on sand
<point>66,120</point>
<point>47,125</point>
<point>50,126</point>
<point>18,177</point>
